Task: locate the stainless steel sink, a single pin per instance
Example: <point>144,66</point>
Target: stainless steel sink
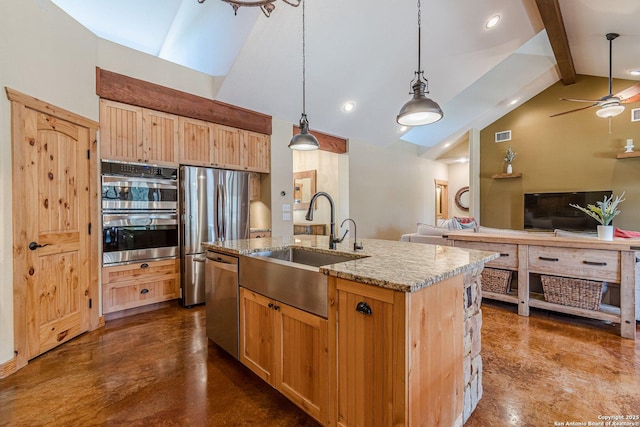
<point>306,257</point>
<point>291,276</point>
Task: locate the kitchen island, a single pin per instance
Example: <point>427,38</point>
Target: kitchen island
<point>400,344</point>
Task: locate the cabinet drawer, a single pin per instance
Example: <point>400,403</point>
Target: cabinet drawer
<point>120,296</point>
<point>508,253</point>
<point>593,264</point>
<point>140,271</point>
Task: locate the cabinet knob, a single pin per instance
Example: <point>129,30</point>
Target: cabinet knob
<point>144,291</point>
<point>144,265</point>
<point>364,308</point>
<point>276,307</point>
<point>270,305</point>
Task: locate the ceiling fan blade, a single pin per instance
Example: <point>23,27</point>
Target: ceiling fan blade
<point>580,100</point>
<point>630,92</point>
<point>573,111</point>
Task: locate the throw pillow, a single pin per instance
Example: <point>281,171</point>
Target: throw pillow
<point>466,222</point>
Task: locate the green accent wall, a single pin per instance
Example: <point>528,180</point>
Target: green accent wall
<point>573,152</point>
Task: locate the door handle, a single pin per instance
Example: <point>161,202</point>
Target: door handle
<point>33,246</point>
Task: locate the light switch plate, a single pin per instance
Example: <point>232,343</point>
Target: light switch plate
<point>286,208</point>
<point>286,216</point>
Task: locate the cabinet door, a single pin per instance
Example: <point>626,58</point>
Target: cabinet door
<point>196,142</point>
<point>303,363</point>
<point>121,132</point>
<point>227,147</point>
<point>255,187</point>
<point>257,152</point>
<point>160,132</point>
<point>365,358</point>
<point>257,334</point>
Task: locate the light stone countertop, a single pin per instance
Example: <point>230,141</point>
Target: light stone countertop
<point>401,266</point>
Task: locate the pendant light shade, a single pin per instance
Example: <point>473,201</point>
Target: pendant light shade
<point>610,110</point>
<point>419,110</point>
<point>304,141</point>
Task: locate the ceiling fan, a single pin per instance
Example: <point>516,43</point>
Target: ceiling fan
<point>610,105</point>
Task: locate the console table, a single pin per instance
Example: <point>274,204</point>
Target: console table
<point>611,262</point>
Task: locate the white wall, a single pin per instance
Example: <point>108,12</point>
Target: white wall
<point>281,177</point>
<point>391,189</point>
<point>458,178</point>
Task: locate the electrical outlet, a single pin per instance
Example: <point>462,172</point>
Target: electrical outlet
<point>286,216</point>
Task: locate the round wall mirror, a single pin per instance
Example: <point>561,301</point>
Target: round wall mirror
<point>462,198</point>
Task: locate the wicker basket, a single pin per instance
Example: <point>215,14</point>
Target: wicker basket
<point>574,292</point>
<point>494,280</point>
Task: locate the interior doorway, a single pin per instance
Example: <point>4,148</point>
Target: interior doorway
<point>442,199</point>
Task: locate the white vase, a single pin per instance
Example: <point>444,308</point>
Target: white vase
<point>509,168</point>
<point>605,232</point>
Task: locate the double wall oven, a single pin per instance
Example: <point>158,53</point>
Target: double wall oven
<point>139,213</point>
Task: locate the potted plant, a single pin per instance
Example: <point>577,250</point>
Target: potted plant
<point>509,156</point>
<point>603,212</point>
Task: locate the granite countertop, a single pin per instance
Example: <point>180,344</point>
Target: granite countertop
<point>401,266</point>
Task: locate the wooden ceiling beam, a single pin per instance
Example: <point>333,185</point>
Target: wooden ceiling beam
<point>553,23</point>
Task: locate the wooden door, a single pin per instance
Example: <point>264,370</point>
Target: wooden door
<point>302,358</point>
<point>160,132</point>
<point>257,334</point>
<point>121,132</point>
<point>55,268</point>
<point>227,147</point>
<point>196,142</point>
<point>365,357</point>
<point>256,155</point>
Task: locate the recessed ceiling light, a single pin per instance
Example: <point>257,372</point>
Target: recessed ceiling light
<point>492,22</point>
<point>403,128</point>
<point>348,106</point>
<point>514,101</point>
<point>448,144</point>
<point>635,72</point>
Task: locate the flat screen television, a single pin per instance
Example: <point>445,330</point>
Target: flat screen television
<point>549,211</point>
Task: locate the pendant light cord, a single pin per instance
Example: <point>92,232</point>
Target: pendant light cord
<point>419,38</point>
<point>304,101</point>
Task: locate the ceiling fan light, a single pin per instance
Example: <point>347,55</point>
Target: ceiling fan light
<point>610,110</point>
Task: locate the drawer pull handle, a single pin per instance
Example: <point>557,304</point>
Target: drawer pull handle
<point>594,263</point>
<point>276,307</point>
<point>544,258</point>
<point>144,265</point>
<point>144,291</point>
<point>503,254</point>
<point>364,308</point>
<point>270,305</point>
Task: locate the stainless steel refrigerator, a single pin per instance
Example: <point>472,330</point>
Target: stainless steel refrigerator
<point>214,206</point>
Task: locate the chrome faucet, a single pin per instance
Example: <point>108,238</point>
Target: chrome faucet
<point>309,217</point>
<point>356,246</point>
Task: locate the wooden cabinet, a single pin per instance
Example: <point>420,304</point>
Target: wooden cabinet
<point>134,285</point>
<point>399,355</point>
<point>256,155</point>
<point>287,348</point>
<point>255,187</point>
<point>135,134</point>
<point>592,264</point>
<point>228,147</point>
<point>196,142</point>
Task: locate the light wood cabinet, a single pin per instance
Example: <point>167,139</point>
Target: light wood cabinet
<point>256,155</point>
<point>287,348</point>
<point>255,187</point>
<point>138,284</point>
<point>228,147</point>
<point>399,355</point>
<point>196,142</point>
<point>135,134</point>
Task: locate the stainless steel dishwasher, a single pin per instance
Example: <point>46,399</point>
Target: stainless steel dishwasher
<point>221,289</point>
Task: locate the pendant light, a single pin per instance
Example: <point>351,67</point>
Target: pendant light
<point>304,141</point>
<point>419,110</point>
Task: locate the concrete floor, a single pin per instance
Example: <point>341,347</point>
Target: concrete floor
<point>158,368</point>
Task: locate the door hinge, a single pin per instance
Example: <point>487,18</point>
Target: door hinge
<point>88,154</point>
<point>89,228</point>
<point>90,302</point>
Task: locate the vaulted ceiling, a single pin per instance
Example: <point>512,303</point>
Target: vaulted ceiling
<point>365,51</point>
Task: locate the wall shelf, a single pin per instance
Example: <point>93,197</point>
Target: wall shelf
<point>628,155</point>
<point>506,175</point>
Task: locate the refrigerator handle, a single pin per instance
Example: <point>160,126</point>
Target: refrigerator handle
<point>219,213</point>
<point>224,218</point>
